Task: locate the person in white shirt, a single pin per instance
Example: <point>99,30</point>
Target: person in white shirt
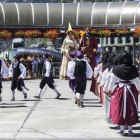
<point>47,77</point>
<point>3,74</point>
<point>17,71</point>
<point>81,70</point>
<point>70,64</point>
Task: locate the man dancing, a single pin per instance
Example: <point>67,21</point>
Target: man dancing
<point>47,77</point>
<point>17,71</point>
<point>81,70</point>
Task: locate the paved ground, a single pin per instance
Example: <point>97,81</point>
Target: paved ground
<point>50,118</point>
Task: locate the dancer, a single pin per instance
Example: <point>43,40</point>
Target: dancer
<point>17,71</point>
<point>124,98</point>
<point>3,74</point>
<point>47,77</point>
<point>70,65</point>
<point>81,70</point>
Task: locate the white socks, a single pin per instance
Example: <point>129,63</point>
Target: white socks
<point>39,92</point>
<point>129,128</point>
<point>123,126</point>
<point>13,93</point>
<point>80,96</point>
<point>55,90</point>
<point>23,91</point>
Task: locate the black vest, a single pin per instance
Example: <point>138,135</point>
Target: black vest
<point>80,69</point>
<point>44,69</point>
<point>16,71</point>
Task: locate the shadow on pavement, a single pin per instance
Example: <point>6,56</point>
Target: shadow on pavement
<point>92,106</point>
<point>92,103</point>
<point>91,99</point>
<point>12,103</point>
<point>65,99</point>
<point>12,106</point>
<point>29,100</point>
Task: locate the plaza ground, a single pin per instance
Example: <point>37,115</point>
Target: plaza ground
<point>51,118</point>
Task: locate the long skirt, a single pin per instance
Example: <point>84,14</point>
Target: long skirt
<point>117,104</point>
<point>102,96</point>
<point>94,87</point>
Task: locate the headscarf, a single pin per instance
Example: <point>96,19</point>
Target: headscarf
<point>108,64</point>
<point>125,71</point>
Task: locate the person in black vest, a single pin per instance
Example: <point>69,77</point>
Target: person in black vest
<point>81,70</point>
<point>17,71</point>
<point>47,77</point>
<point>3,74</point>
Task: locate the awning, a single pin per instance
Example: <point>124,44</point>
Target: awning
<point>49,15</point>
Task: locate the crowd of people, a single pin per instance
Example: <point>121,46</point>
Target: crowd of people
<point>33,64</point>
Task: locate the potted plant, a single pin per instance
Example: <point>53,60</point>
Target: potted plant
<point>32,33</point>
<point>52,34</point>
<point>20,34</point>
<point>105,33</point>
<point>5,35</point>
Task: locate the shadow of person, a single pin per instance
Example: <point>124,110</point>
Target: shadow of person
<point>92,106</point>
<point>12,103</point>
<point>12,106</point>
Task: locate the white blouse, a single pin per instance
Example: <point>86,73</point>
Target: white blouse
<point>21,67</point>
<point>104,76</point>
<point>89,71</point>
<point>97,70</point>
<point>70,69</point>
<point>114,79</point>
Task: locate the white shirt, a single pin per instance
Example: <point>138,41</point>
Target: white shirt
<point>21,67</point>
<point>47,67</point>
<point>89,71</point>
<point>114,79</point>
<point>71,65</point>
<point>97,70</point>
<point>4,69</point>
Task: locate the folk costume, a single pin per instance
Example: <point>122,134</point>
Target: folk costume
<point>3,74</point>
<point>47,78</point>
<point>69,45</point>
<point>17,71</point>
<point>81,70</point>
<point>88,46</point>
<point>124,98</point>
<point>70,65</point>
<point>97,75</point>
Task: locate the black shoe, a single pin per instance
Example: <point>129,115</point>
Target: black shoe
<point>38,97</point>
<point>75,100</point>
<point>25,95</point>
<point>121,133</point>
<point>131,134</point>
<point>13,99</point>
<point>58,96</point>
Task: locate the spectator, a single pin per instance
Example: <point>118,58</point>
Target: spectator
<point>35,61</point>
<point>85,58</point>
<point>40,65</point>
<point>97,58</point>
<point>23,60</point>
<point>8,63</point>
<point>29,66</point>
<point>6,58</point>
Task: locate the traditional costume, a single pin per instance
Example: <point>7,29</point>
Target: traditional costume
<point>17,71</point>
<point>88,46</point>
<point>3,74</point>
<point>69,45</point>
<point>47,78</point>
<point>70,65</point>
<point>81,70</point>
<point>97,75</point>
<point>124,98</point>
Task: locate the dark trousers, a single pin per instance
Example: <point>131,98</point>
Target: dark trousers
<point>44,81</point>
<point>81,86</point>
<point>16,84</point>
<point>40,66</point>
